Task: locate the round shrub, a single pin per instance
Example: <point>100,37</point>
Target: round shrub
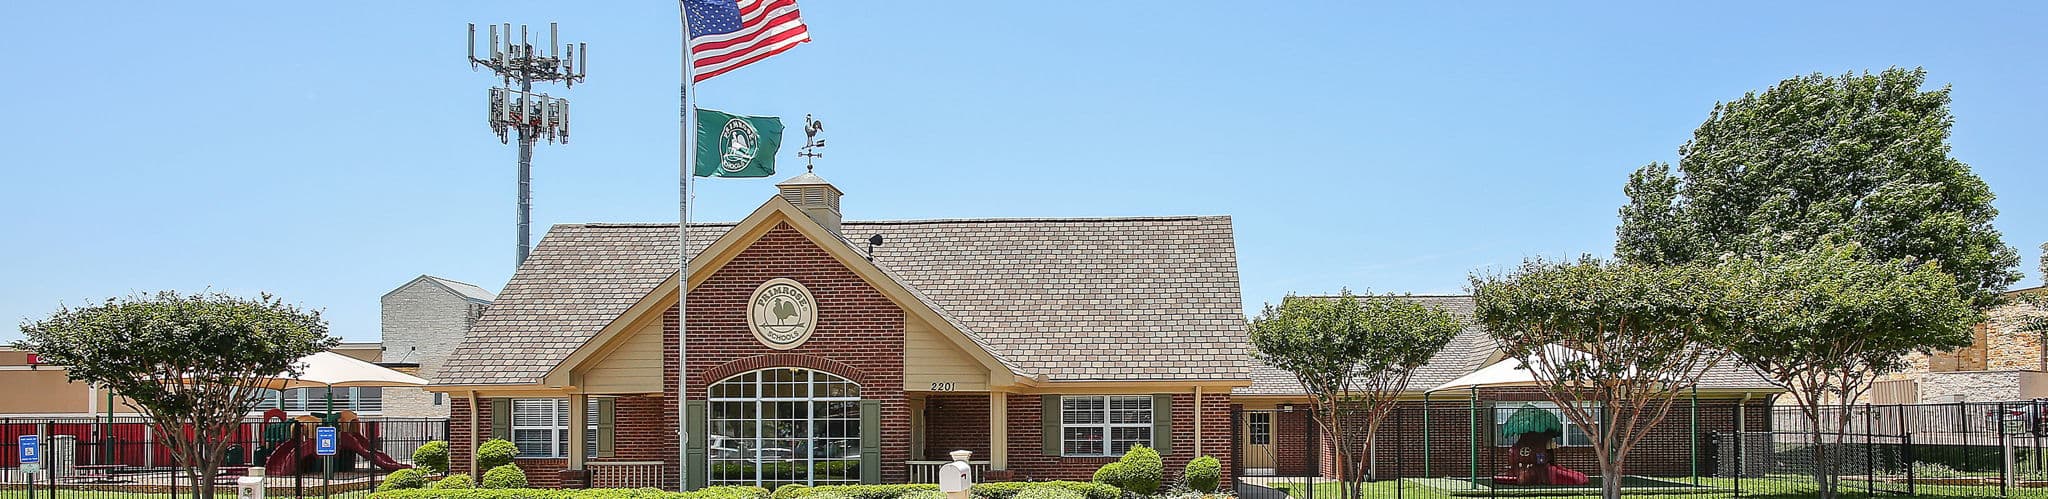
<point>1113,474</point>
<point>1048,493</point>
<point>409,478</point>
<point>1203,474</point>
<point>1143,470</point>
<point>495,452</point>
<point>505,477</point>
<point>432,457</point>
<point>454,482</point>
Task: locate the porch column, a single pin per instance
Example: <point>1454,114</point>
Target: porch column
<point>579,407</point>
<point>999,431</point>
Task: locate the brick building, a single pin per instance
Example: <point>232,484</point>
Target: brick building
<point>821,353</point>
<point>826,351</point>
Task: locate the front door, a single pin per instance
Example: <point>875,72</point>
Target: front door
<point>1258,442</point>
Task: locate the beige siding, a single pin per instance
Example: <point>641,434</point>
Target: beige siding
<point>634,367</point>
<point>930,358</point>
<point>43,391</point>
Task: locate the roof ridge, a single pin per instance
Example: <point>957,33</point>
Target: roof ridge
<point>912,221</point>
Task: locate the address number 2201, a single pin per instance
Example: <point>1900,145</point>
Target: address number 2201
<point>944,386</point>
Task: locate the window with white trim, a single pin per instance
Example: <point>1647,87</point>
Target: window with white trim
<point>1104,425</point>
<point>540,427</point>
<point>781,426</point>
<point>1574,436</point>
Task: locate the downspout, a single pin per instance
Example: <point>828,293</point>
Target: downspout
<point>1694,447</point>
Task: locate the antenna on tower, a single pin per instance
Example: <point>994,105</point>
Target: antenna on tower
<point>811,141</point>
<point>522,113</point>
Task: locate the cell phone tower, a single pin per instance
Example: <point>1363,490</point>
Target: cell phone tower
<point>529,116</point>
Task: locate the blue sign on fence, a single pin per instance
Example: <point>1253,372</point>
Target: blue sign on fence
<point>323,441</point>
<point>30,447</point>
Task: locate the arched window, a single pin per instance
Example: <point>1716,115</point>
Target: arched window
<point>783,425</point>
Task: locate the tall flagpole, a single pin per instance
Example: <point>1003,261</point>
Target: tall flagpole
<point>689,139</point>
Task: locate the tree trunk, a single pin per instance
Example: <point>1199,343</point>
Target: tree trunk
<point>1610,479</point>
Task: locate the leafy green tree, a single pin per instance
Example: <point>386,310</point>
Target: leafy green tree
<point>1614,345</point>
<point>1353,356</point>
<point>1860,159</point>
<point>194,364</point>
<point>1826,322</point>
<point>2037,319</point>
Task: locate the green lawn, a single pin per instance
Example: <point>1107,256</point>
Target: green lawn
<point>1776,488</point>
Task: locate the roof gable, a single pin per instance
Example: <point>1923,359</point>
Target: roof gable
<point>776,213</point>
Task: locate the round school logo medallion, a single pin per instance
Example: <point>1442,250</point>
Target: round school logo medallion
<point>782,314</point>
<point>738,143</point>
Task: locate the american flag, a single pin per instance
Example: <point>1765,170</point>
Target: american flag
<point>727,34</point>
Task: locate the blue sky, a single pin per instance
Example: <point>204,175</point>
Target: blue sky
<point>327,152</point>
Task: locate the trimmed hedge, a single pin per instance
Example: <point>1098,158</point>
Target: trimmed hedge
<point>1204,474</point>
<point>707,493</point>
<point>1009,490</point>
<point>454,482</point>
<point>432,457</point>
<point>495,452</point>
<point>1048,493</point>
<point>409,478</point>
<point>852,491</point>
<point>790,491</point>
<point>505,477</point>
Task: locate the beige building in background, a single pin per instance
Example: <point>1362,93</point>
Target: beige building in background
<point>2003,363</point>
<point>37,389</point>
<point>422,322</point>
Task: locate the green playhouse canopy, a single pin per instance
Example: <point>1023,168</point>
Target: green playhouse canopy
<point>1532,419</point>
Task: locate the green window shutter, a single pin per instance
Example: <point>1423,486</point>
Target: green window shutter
<point>871,441</point>
<point>606,411</point>
<point>501,418</point>
<point>1049,423</point>
<point>694,411</point>
<point>1162,423</point>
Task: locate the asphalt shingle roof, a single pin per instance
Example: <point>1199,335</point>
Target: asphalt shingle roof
<point>1469,351</point>
<point>1143,298</point>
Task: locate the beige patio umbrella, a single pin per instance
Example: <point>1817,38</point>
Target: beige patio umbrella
<point>1507,372</point>
<point>333,370</point>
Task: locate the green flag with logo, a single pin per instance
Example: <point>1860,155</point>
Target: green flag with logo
<point>730,145</point>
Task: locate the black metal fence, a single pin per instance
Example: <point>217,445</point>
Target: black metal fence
<point>1462,449</point>
<point>122,458</point>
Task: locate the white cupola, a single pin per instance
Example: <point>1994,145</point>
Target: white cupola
<point>816,197</point>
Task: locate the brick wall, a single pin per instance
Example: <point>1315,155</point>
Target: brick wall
<point>460,446</point>
<point>957,422</point>
<point>859,335</point>
<point>1029,462</point>
<point>1294,438</point>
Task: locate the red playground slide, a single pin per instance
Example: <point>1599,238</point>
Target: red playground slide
<point>354,442</point>
<point>284,460</point>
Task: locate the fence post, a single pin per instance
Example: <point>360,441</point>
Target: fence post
<point>1907,452</point>
<point>1869,450</point>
